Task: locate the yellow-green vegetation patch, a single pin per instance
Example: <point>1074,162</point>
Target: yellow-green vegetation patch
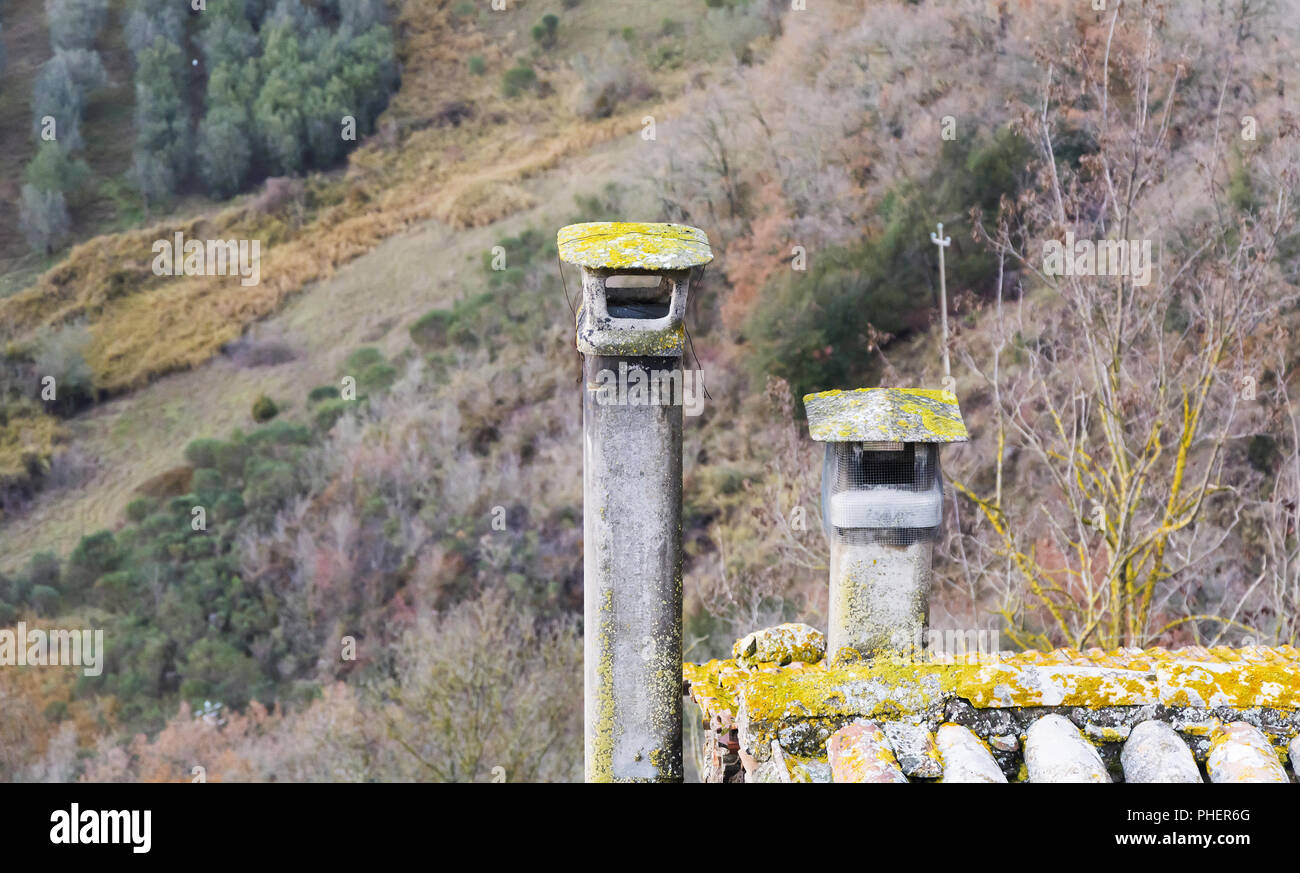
<point>781,644</point>
<point>712,686</point>
<point>1243,684</point>
<point>617,245</point>
<point>771,694</point>
<point>27,443</point>
<point>1009,685</point>
<point>910,415</point>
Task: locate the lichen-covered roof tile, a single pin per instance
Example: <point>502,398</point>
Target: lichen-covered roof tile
<point>1240,753</point>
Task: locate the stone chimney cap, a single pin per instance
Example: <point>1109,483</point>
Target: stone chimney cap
<point>618,245</point>
<point>897,415</point>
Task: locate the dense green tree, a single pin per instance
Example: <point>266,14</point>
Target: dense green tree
<point>54,169</point>
<point>227,37</point>
<point>224,149</point>
<point>163,137</point>
<point>74,23</point>
<point>225,137</point>
<point>150,19</point>
<point>60,93</point>
<point>359,16</point>
<point>299,18</point>
<point>43,216</point>
<point>278,110</point>
<point>367,66</point>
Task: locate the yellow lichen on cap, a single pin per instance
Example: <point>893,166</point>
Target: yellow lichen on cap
<point>618,245</point>
<point>907,415</point>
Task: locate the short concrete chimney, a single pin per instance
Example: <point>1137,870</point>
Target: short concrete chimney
<point>635,280</point>
<point>882,507</point>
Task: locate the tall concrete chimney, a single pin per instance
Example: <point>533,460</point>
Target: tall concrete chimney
<point>882,506</point>
<point>630,331</point>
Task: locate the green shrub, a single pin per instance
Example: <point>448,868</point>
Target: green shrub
<point>518,79</point>
<point>477,66</point>
<point>377,377</point>
<point>55,169</point>
<point>207,484</point>
<point>94,556</point>
<point>361,359</point>
<point>324,392</point>
<point>228,507</point>
<point>45,600</point>
<point>280,433</point>
<point>264,409</point>
<point>202,452</point>
<point>545,31</point>
<point>270,485</point>
<point>138,510</point>
<point>330,412</point>
<point>230,457</point>
<point>430,330</point>
<point>666,56</point>
<point>215,670</point>
<point>114,591</point>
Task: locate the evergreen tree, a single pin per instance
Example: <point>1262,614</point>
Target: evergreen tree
<point>277,112</point>
<point>224,146</point>
<point>163,137</point>
<point>53,169</point>
<point>74,23</point>
<point>367,67</point>
<point>227,37</point>
<point>43,216</point>
<point>150,19</point>
<point>224,149</point>
<point>60,93</point>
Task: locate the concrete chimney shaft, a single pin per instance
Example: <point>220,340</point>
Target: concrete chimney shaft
<point>882,509</point>
<point>630,331</point>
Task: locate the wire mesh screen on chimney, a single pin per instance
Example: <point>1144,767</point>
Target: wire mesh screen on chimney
<point>887,493</point>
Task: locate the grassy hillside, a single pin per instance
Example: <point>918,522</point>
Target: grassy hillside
<point>428,162</point>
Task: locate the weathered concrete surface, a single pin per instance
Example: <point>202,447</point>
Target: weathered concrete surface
<point>1240,753</point>
<point>914,749</point>
<point>632,561</point>
<point>1055,751</point>
<point>1154,752</point>
<point>781,645</point>
<point>879,597</point>
<point>601,333</point>
<point>964,757</point>
<point>860,752</point>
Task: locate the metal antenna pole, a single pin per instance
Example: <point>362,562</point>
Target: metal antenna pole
<point>943,242</point>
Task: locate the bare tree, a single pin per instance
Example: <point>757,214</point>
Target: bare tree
<point>1116,423</point>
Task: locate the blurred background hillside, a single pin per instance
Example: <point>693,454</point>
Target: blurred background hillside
<point>384,433</point>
